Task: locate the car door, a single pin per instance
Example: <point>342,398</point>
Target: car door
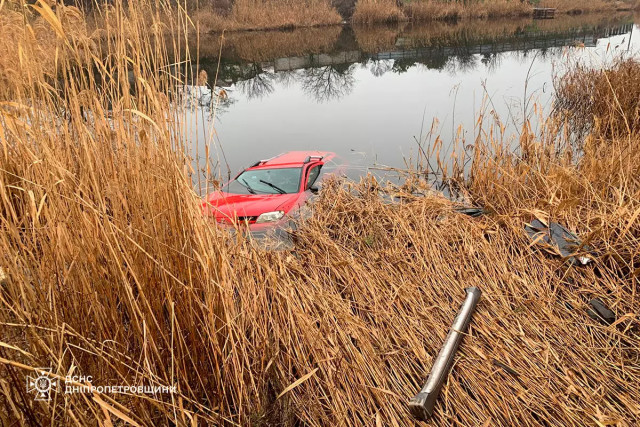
<point>313,172</point>
<point>309,177</point>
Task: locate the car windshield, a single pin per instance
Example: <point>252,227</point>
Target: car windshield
<point>266,181</point>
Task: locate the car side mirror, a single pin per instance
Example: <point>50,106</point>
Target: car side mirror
<point>314,189</point>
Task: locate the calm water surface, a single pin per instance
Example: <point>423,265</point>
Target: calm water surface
<point>371,94</point>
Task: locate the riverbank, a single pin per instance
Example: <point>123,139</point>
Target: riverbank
<point>270,14</point>
<point>279,14</point>
<point>258,46</point>
<point>372,11</point>
<point>114,277</point>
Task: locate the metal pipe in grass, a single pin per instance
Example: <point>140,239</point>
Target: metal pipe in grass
<point>421,405</point>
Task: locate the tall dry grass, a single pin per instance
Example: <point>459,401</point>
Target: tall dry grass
<point>113,272</point>
<point>603,102</point>
<point>495,9</point>
<point>429,10</point>
<point>433,10</point>
<point>371,11</point>
<point>268,14</point>
<point>104,270</point>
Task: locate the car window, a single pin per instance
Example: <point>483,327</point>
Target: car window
<point>266,181</point>
<point>313,175</point>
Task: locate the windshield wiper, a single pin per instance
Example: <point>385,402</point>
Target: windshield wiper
<point>275,187</point>
<point>246,184</point>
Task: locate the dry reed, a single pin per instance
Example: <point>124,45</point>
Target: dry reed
<point>113,272</point>
<point>606,102</point>
<point>433,10</point>
<point>371,11</point>
<point>268,14</point>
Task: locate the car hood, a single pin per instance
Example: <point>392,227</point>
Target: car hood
<point>226,205</point>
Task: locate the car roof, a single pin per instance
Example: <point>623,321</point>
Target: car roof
<point>291,159</point>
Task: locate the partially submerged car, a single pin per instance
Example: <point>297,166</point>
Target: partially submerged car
<point>262,195</point>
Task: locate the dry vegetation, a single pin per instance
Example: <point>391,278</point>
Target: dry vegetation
<point>268,14</point>
<point>609,100</point>
<point>451,10</point>
<point>257,46</point>
<point>371,11</point>
<point>113,272</point>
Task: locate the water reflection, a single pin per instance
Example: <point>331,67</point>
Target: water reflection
<point>254,62</point>
<point>369,93</point>
<point>329,82</point>
<point>258,86</point>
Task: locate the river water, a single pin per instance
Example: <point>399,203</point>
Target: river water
<point>374,94</point>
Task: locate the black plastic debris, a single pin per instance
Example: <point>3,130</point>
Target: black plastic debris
<point>562,240</point>
<point>600,312</point>
<point>472,211</point>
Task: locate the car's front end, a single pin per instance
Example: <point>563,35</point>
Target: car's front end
<point>255,212</point>
<point>263,195</point>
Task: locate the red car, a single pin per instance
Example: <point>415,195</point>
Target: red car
<point>264,193</point>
